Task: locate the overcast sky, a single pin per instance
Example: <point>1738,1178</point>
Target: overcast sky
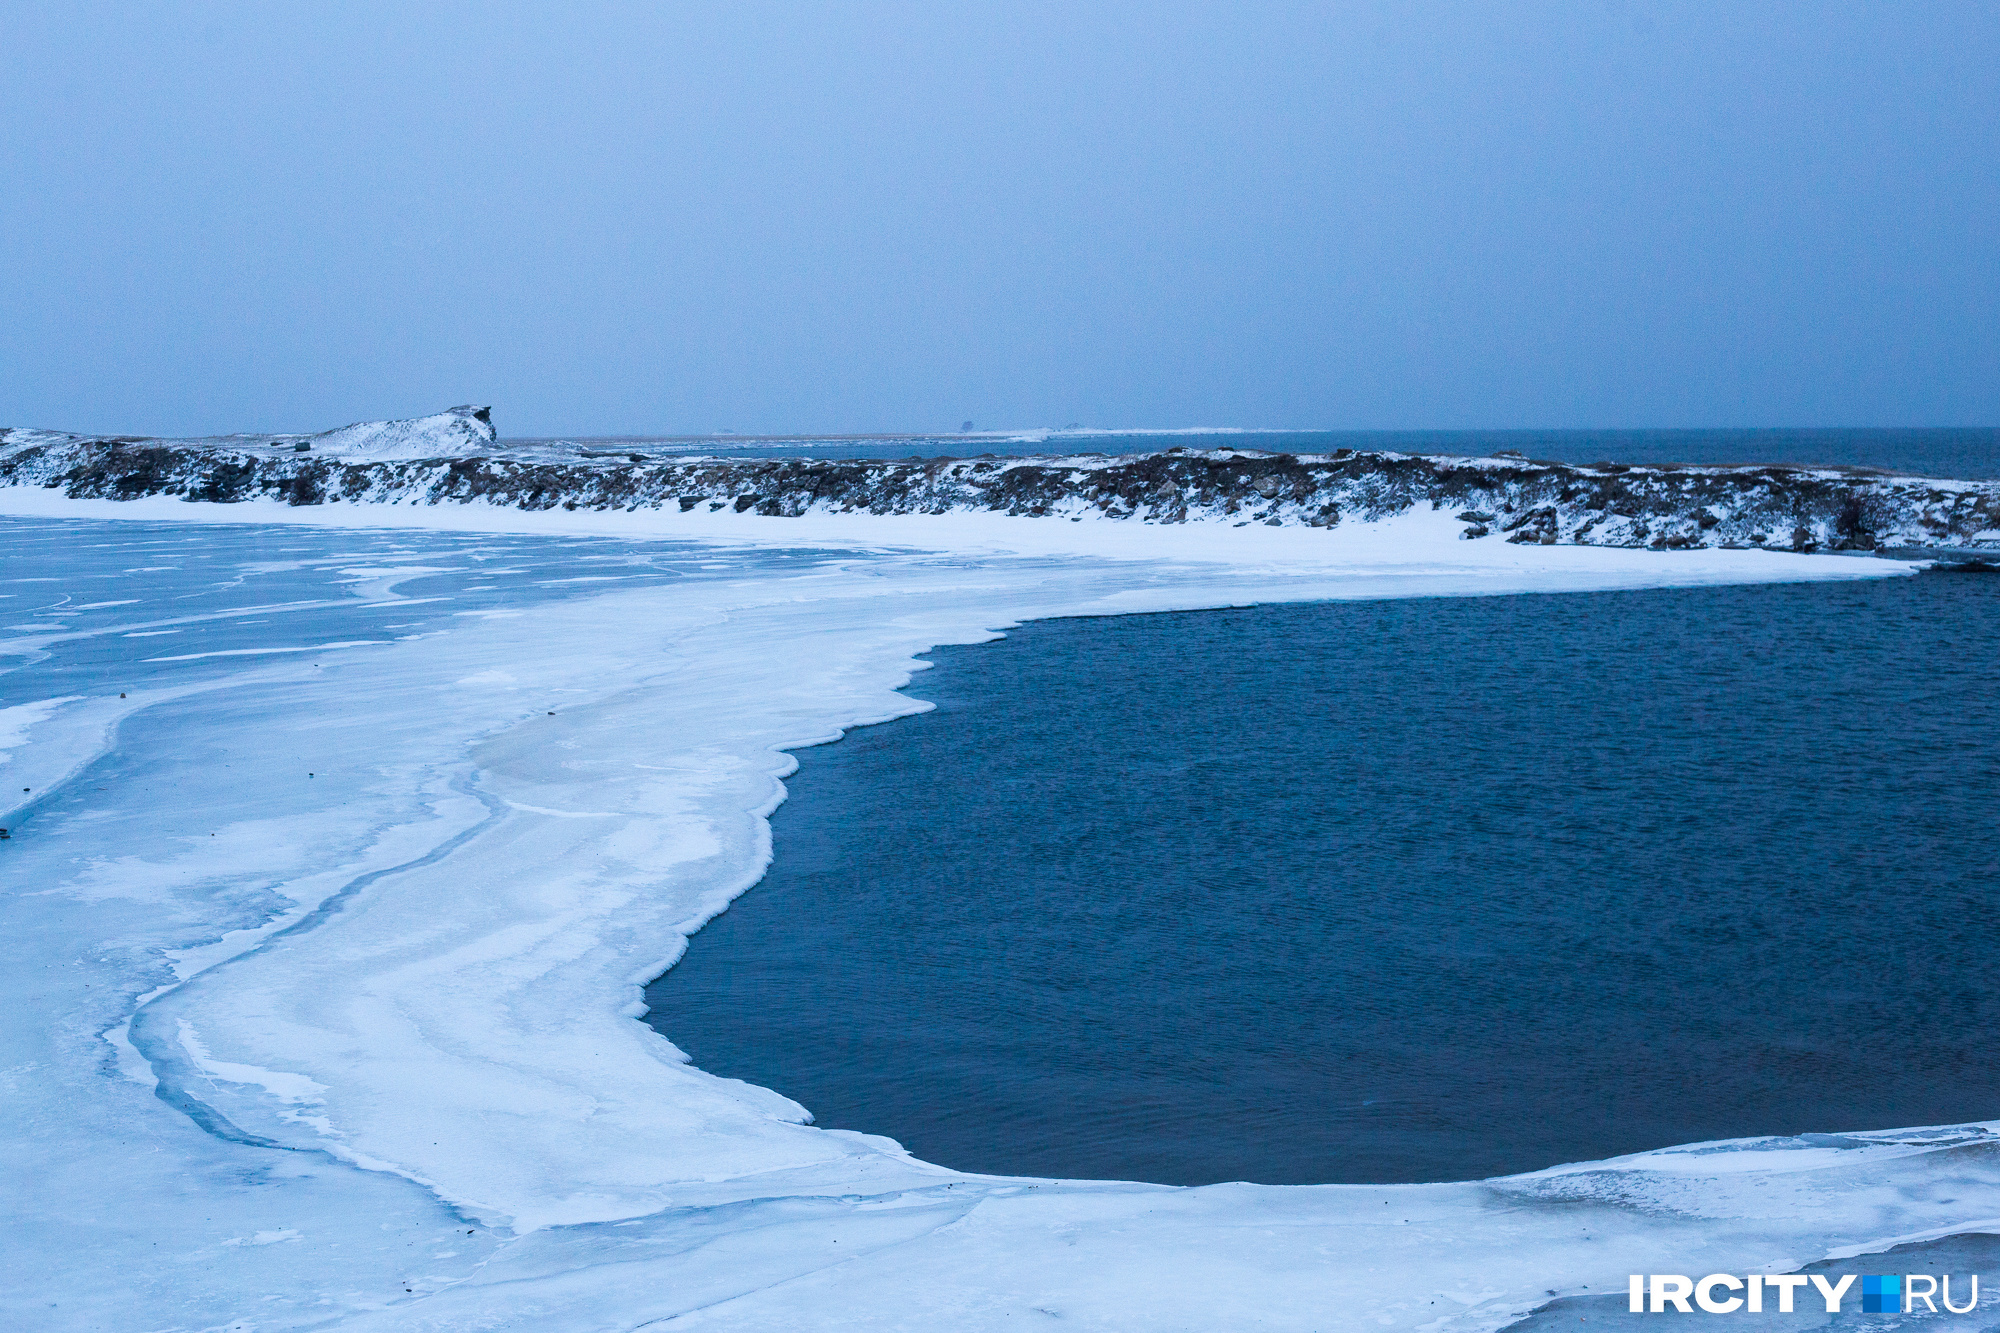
<point>662,217</point>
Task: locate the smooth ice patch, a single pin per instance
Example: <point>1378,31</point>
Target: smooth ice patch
<point>17,721</point>
<point>265,652</point>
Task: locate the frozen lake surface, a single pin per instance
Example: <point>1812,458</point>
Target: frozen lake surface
<point>344,845</point>
<point>1400,890</point>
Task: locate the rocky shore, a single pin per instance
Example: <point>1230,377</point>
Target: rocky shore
<point>454,458</point>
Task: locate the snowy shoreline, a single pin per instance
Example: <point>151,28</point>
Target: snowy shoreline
<point>460,1014</point>
<point>454,459</point>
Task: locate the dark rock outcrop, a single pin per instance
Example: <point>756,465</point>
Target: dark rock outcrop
<point>1511,498</point>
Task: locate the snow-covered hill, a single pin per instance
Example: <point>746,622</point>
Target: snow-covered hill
<point>453,458</point>
<point>453,433</point>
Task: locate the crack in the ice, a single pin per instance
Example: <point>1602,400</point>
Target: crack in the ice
<point>175,1073</point>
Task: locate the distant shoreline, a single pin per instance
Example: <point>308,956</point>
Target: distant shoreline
<point>1505,497</point>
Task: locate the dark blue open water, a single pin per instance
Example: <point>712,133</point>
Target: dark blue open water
<point>1389,891</point>
<point>1964,452</point>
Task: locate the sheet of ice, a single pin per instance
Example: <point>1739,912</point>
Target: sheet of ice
<point>45,743</point>
<point>15,722</point>
<point>334,1023</point>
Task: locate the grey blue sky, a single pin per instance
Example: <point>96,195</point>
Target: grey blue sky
<point>661,217</point>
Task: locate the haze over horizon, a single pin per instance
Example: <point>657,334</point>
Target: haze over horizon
<point>618,219</point>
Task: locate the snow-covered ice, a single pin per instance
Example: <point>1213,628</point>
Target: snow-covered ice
<point>326,963</point>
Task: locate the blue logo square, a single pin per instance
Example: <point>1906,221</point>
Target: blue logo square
<point>1882,1294</point>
